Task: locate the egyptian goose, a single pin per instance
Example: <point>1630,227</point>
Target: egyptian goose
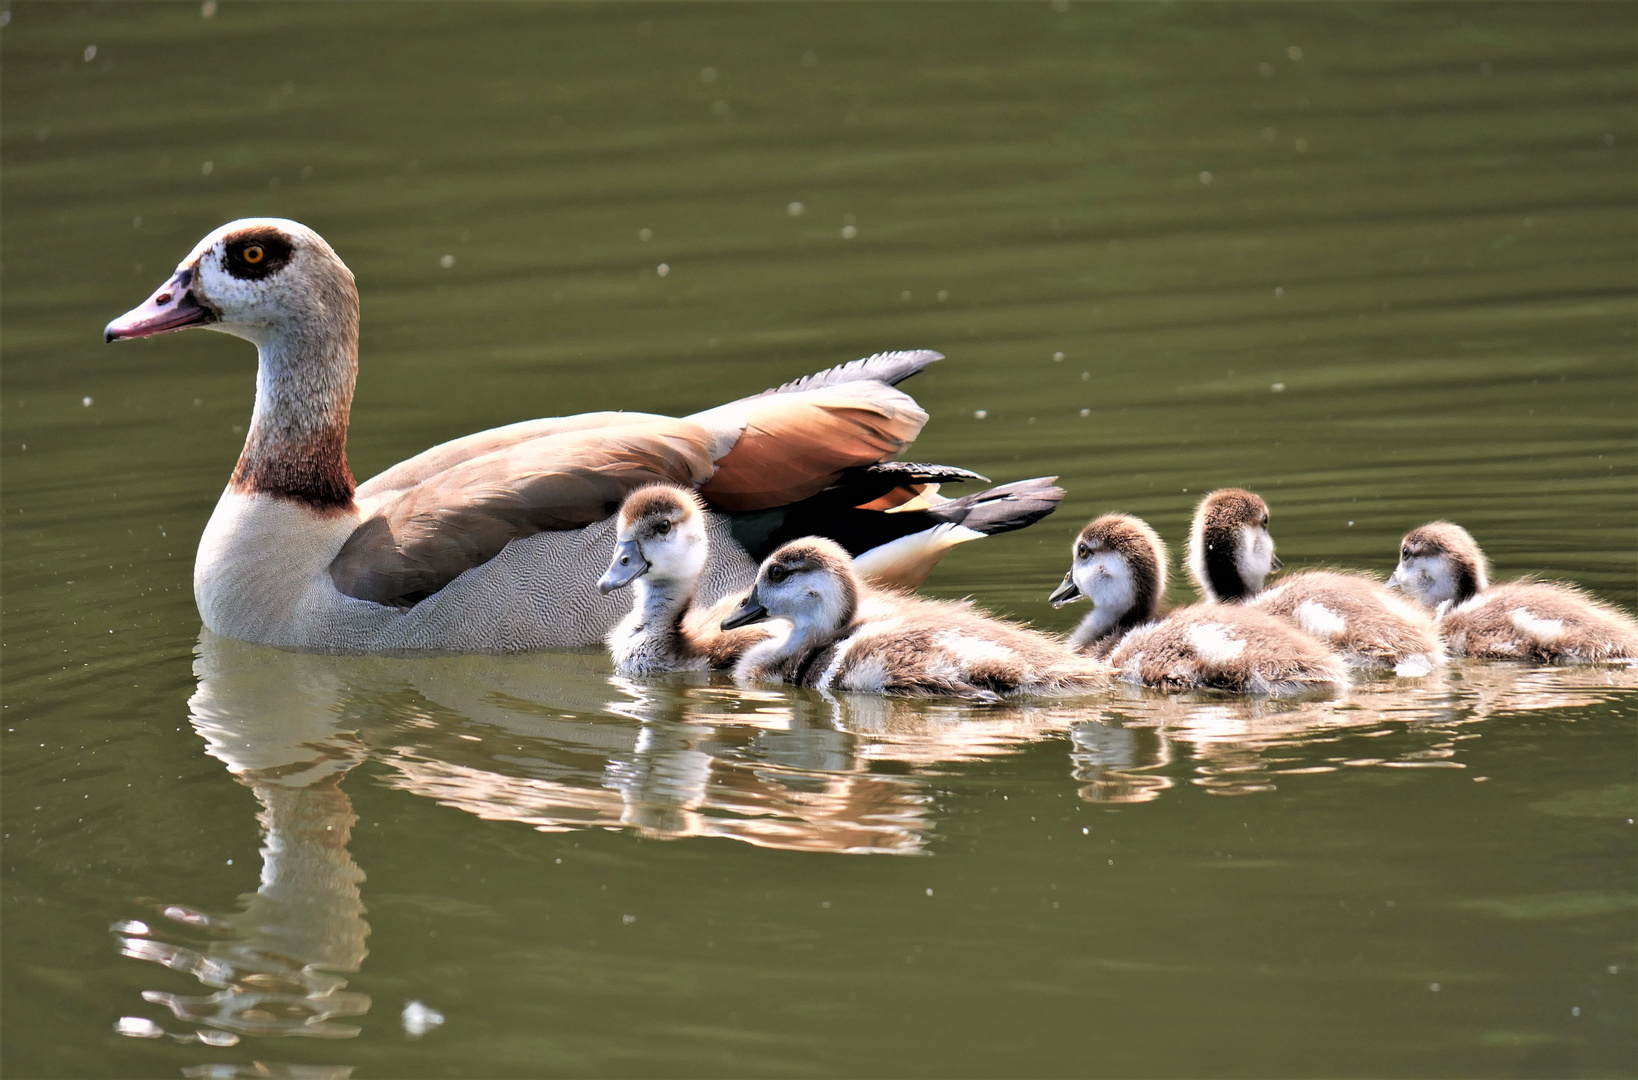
<point>661,549</point>
<point>1441,565</point>
<point>494,541</point>
<point>842,634</point>
<point>1231,553</point>
<point>1119,563</point>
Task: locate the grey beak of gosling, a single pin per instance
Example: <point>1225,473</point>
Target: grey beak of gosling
<point>628,565</point>
<point>750,610</point>
<point>1067,592</point>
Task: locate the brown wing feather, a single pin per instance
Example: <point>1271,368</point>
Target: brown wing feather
<point>794,445</point>
<point>417,542</point>
<point>406,474</point>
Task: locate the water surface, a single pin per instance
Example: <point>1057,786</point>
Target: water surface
<point>1374,262</point>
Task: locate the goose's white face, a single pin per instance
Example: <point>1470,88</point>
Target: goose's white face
<point>1430,577</point>
<point>252,278</point>
<point>1104,577</point>
<point>1255,560</point>
<point>665,545</point>
<point>811,595</point>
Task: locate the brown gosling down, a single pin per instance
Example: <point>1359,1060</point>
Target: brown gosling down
<point>1231,553</point>
<point>842,634</point>
<point>1441,565</point>
<point>660,550</point>
<point>1119,563</point>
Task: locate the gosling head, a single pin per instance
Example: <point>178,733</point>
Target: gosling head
<point>810,581</point>
<point>1440,562</point>
<point>1230,551</point>
<point>1119,563</point>
<point>255,278</point>
<point>659,534</point>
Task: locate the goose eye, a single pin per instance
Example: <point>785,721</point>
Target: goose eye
<point>663,527</point>
<point>776,574</point>
<point>253,254</point>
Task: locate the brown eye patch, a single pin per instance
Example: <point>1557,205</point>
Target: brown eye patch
<point>253,256</point>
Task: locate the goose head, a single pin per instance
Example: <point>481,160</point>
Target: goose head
<point>810,582</point>
<point>660,535</point>
<point>1119,563</point>
<point>1440,563</point>
<point>1230,550</point>
<point>255,278</point>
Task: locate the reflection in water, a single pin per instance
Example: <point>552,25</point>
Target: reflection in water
<point>553,742</point>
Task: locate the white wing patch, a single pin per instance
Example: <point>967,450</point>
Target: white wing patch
<point>1543,630</point>
<point>1319,620</point>
<point>1211,642</point>
<point>971,650</point>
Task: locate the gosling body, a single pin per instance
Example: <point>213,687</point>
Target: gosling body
<point>842,634</point>
<point>1119,563</point>
<point>1442,567</point>
<point>1231,554</point>
<point>661,549</point>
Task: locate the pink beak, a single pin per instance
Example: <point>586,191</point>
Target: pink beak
<point>173,307</point>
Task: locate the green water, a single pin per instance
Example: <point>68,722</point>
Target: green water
<point>1376,262</point>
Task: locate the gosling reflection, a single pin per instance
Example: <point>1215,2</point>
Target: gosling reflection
<point>1244,746</point>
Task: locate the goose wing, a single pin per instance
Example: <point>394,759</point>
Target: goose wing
<point>790,443</point>
<point>429,463</point>
<point>420,538</point>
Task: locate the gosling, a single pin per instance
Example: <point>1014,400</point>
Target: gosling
<point>842,634</point>
<point>1231,554</point>
<point>1119,563</point>
<point>1544,621</point>
<point>660,550</point>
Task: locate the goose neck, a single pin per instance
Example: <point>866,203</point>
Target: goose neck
<point>297,445</point>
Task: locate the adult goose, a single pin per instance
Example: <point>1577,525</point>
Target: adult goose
<point>495,541</point>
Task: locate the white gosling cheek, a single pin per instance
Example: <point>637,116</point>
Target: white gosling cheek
<point>1108,583</point>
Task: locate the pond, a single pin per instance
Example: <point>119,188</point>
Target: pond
<point>1375,262</point>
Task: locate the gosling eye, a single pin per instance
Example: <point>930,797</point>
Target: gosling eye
<point>1265,521</point>
<point>1083,552</point>
<point>663,527</point>
<point>776,574</point>
<point>1404,552</point>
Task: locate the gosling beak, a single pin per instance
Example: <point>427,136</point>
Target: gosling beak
<point>750,610</point>
<point>1395,581</point>
<point>173,307</point>
<point>1067,592</point>
<point>1274,564</point>
<point>628,566</point>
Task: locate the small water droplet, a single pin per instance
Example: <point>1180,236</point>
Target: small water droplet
<point>979,414</point>
<point>1294,52</point>
<point>207,168</point>
<point>90,53</point>
<point>447,261</point>
<point>1057,358</point>
<point>709,75</point>
<point>929,892</point>
<point>849,232</point>
<point>1277,388</point>
<point>207,10</point>
<point>1205,176</point>
<point>794,209</point>
<point>663,269</point>
<point>1086,412</point>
